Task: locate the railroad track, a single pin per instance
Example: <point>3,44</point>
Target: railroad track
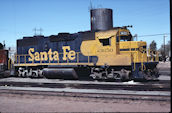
<point>138,87</point>
<point>88,95</point>
<point>161,85</point>
<point>158,91</point>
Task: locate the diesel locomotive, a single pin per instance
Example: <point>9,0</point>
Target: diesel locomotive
<point>104,52</point>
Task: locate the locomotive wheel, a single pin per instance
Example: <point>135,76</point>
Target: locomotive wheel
<point>93,76</point>
<point>19,74</point>
<point>156,72</point>
<point>117,77</point>
<point>148,76</point>
<point>145,76</point>
<point>41,75</point>
<point>24,75</point>
<point>34,75</point>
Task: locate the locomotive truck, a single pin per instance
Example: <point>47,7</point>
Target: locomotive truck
<point>104,52</point>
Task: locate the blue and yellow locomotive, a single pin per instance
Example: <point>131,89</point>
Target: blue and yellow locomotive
<point>104,52</point>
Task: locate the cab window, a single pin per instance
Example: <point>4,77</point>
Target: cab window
<point>126,38</point>
<point>105,42</point>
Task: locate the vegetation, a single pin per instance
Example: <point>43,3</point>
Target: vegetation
<point>167,53</point>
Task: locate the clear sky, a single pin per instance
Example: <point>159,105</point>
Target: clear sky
<point>18,18</point>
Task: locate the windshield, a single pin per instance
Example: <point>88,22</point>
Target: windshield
<point>126,38</point>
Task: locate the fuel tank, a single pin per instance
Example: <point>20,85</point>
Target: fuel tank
<point>60,73</point>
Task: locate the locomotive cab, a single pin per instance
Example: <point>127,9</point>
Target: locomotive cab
<point>106,48</point>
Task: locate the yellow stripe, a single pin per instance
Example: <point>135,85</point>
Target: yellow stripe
<point>65,64</point>
<point>37,64</point>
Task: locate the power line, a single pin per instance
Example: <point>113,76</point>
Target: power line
<point>153,35</point>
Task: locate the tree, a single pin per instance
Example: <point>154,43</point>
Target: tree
<point>153,50</point>
<point>167,50</point>
<point>152,46</point>
<point>1,46</point>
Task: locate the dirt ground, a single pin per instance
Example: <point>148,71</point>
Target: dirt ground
<point>37,103</point>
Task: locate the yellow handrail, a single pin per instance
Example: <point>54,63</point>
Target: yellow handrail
<point>10,63</point>
<point>142,62</point>
<point>24,58</point>
<point>19,59</point>
<point>134,62</point>
<point>88,59</point>
<point>157,56</point>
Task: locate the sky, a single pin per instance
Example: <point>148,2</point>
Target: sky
<point>18,18</point>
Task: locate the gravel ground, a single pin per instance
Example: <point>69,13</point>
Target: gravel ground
<point>38,103</point>
<point>164,66</point>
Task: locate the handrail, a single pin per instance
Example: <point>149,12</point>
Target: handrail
<point>134,62</point>
<point>10,63</point>
<point>157,56</point>
<point>142,61</point>
<point>154,57</point>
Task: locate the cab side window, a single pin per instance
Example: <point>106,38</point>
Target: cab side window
<point>105,42</point>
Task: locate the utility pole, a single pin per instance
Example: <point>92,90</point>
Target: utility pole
<point>136,37</point>
<point>40,30</point>
<point>34,31</point>
<point>164,48</point>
